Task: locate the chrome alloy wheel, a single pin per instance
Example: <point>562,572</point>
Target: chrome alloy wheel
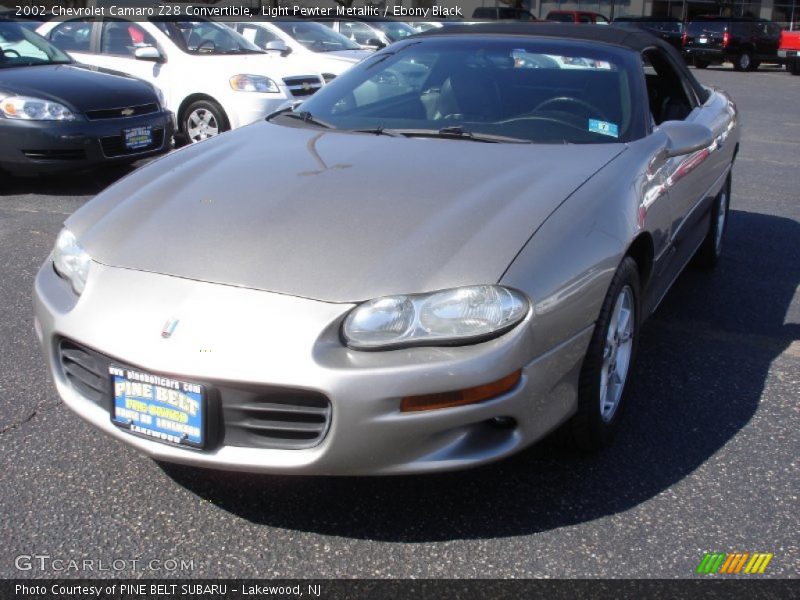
<point>722,213</point>
<point>617,354</point>
<point>201,124</point>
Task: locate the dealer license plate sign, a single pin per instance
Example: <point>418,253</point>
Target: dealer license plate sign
<point>167,410</point>
<point>137,138</point>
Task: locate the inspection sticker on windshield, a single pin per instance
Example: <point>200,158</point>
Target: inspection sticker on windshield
<point>603,128</point>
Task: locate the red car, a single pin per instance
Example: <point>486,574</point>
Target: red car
<point>789,50</point>
<point>576,16</point>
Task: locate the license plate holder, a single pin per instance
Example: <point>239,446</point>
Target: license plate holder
<point>163,409</point>
<point>137,138</point>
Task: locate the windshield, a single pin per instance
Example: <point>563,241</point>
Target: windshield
<point>206,37</point>
<point>696,27</point>
<point>21,47</point>
<point>394,30</point>
<point>316,37</point>
<point>531,90</point>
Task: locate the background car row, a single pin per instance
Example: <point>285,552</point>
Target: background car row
<point>213,76</point>
<point>83,93</point>
<point>705,40</point>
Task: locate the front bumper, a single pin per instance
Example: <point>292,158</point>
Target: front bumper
<point>712,55</point>
<point>31,147</point>
<point>238,337</point>
<point>788,53</point>
<point>243,108</point>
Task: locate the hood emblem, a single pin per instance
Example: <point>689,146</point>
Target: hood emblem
<point>169,328</point>
<point>127,112</point>
<point>306,86</point>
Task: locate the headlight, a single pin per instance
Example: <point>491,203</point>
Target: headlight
<point>328,77</point>
<point>253,83</point>
<point>450,317</point>
<point>34,109</point>
<point>71,261</point>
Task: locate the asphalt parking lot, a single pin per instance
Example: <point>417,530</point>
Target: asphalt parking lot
<point>707,460</point>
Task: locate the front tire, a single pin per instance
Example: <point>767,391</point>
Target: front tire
<point>609,362</point>
<point>203,119</point>
<point>794,66</point>
<point>711,249</point>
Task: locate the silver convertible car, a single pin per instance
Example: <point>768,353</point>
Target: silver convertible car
<point>436,260</point>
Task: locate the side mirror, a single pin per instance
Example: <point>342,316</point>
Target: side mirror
<point>375,43</point>
<point>685,138</point>
<point>148,53</point>
<point>278,46</point>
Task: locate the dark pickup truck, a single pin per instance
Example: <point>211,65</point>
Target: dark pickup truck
<point>746,42</point>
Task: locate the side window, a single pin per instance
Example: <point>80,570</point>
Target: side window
<point>72,36</point>
<point>602,19</point>
<point>122,38</point>
<point>667,92</point>
<point>258,35</point>
<point>358,32</point>
<point>404,78</point>
<point>585,19</point>
<point>773,30</point>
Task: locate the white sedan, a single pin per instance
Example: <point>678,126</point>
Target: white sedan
<point>212,78</point>
<point>320,47</point>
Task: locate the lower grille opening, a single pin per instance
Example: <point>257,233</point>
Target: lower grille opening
<point>77,154</point>
<point>252,416</point>
<point>86,371</point>
<point>280,418</point>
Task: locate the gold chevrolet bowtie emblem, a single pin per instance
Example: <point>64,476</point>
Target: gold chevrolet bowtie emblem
<point>127,112</point>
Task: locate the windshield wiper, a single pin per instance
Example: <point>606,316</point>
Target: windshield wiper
<point>380,130</point>
<point>34,64</point>
<point>241,51</point>
<point>303,115</point>
<point>460,133</point>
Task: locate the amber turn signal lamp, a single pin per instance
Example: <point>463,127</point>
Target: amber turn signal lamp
<point>461,397</point>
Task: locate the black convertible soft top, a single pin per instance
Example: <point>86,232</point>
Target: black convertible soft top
<point>634,39</point>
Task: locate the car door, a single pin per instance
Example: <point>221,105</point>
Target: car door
<point>118,41</point>
<point>689,179</point>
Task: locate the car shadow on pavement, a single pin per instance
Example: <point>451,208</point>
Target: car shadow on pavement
<point>86,183</point>
<point>704,359</point>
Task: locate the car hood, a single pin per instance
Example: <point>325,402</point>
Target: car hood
<point>80,86</point>
<point>270,64</point>
<point>352,56</point>
<point>334,216</point>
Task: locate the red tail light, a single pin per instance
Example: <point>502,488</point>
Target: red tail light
<point>726,37</point>
<point>684,37</point>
